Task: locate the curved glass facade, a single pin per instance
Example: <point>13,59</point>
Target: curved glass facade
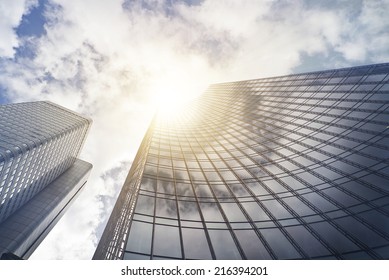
<point>291,167</point>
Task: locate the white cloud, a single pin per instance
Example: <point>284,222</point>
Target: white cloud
<point>11,12</point>
<point>366,33</point>
<point>108,60</point>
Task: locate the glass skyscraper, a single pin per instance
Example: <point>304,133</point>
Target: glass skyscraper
<point>290,167</point>
<point>40,174</point>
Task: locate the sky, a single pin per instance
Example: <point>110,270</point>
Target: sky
<point>118,61</point>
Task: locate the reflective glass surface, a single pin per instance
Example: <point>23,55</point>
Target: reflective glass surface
<point>292,167</point>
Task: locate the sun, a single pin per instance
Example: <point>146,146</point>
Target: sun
<point>169,99</point>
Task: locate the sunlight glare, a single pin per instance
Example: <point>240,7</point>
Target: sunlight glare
<point>169,99</point>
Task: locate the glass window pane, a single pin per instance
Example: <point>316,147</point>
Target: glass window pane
<point>139,239</point>
<point>148,184</point>
<point>184,189</point>
<point>145,205</point>
<point>319,202</point>
<point>211,212</point>
<point>238,190</point>
<point>195,244</point>
<point>166,208</point>
<point>188,210</point>
<point>221,191</point>
<point>203,191</point>
<point>132,256</point>
<point>277,209</point>
<point>255,211</point>
<point>279,244</point>
<point>166,187</point>
<point>361,232</point>
<point>233,212</point>
<point>335,238</point>
<point>298,206</point>
<point>307,241</point>
<point>223,244</point>
<point>167,241</point>
<point>251,245</point>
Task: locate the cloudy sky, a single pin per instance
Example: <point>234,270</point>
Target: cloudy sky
<point>116,61</point>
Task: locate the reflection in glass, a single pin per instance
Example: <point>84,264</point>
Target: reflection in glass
<point>280,244</point>
<point>195,244</point>
<point>251,245</point>
<point>166,208</point>
<point>307,241</point>
<point>145,205</point>
<point>287,167</point>
<point>211,212</point>
<point>139,239</point>
<point>167,241</point>
<point>188,210</point>
<point>224,246</point>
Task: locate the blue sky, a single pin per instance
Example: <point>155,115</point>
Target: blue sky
<point>115,61</point>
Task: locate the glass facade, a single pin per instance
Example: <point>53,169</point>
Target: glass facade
<point>290,167</point>
<point>39,144</point>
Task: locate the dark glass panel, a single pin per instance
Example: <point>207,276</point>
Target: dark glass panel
<point>223,244</point>
<point>165,173</point>
<point>361,255</point>
<point>280,244</point>
<point>375,78</point>
<point>180,174</point>
<point>220,191</point>
<point>233,212</point>
<point>310,178</point>
<point>148,184</point>
<point>167,241</point>
<point>383,252</point>
<point>133,256</point>
<point>256,188</point>
<point>278,211</point>
<point>376,219</point>
<point>361,232</point>
<point>196,175</point>
<point>165,186</point>
<point>252,245</point>
<point>166,208</point>
<point>145,205</point>
<point>188,210</point>
<point>195,244</point>
<point>203,191</point>
<point>298,206</point>
<point>143,218</point>
<point>361,190</point>
<point>184,189</point>
<point>211,212</point>
<point>255,211</point>
<point>307,241</point>
<point>319,202</point>
<point>274,186</point>
<point>139,239</point>
<point>238,190</point>
<point>293,183</point>
<point>341,197</point>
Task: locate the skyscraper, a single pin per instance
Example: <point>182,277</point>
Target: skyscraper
<point>290,167</point>
<point>40,174</point>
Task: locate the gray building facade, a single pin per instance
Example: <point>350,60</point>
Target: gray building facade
<point>289,167</point>
<point>40,174</point>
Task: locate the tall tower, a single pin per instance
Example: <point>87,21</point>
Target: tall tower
<point>291,167</point>
<point>40,174</point>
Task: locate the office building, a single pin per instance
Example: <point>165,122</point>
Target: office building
<point>40,174</point>
<point>290,167</point>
